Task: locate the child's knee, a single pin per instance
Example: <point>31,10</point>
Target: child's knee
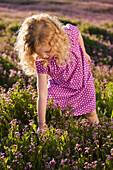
<point>91,114</point>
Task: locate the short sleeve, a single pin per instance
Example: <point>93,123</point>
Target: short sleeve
<point>74,31</point>
<point>39,67</point>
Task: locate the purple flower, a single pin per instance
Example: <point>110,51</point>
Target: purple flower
<point>32,144</point>
<point>19,122</point>
<point>63,161</point>
<point>77,145</point>
<point>85,167</point>
<point>67,154</point>
<point>2,153</point>
<point>109,157</point>
<point>103,164</point>
<point>67,111</point>
<point>95,162</point>
<point>109,136</point>
<point>29,164</point>
<point>52,161</point>
<point>31,122</point>
<point>75,148</point>
<point>17,133</point>
<point>86,163</point>
<point>87,148</point>
<point>65,115</point>
<point>44,156</point>
<point>94,135</point>
<point>79,149</point>
<point>53,117</point>
<point>57,131</point>
<point>29,150</point>
<point>111,152</point>
<point>96,141</point>
<point>13,121</point>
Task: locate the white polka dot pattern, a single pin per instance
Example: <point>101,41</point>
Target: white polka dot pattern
<point>73,85</point>
<point>40,69</point>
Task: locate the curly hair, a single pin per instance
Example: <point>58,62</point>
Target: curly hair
<point>35,32</point>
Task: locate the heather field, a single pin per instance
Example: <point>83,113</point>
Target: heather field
<point>71,142</point>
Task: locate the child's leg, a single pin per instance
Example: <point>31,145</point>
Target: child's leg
<point>92,116</point>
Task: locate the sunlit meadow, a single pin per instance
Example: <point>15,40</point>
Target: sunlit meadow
<point>70,142</point>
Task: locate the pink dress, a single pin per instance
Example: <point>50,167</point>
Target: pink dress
<point>73,84</point>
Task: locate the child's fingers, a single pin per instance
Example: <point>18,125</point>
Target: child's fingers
<point>41,130</point>
<point>89,59</point>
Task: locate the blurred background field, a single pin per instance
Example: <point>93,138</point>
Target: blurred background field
<point>88,10</point>
<point>78,145</point>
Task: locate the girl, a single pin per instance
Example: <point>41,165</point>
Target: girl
<point>54,52</point>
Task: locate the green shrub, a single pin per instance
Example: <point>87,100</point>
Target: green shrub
<point>14,28</point>
<point>3,26</point>
<point>104,99</point>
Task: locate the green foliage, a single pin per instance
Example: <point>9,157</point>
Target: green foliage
<point>107,25</point>
<point>2,26</point>
<point>67,21</point>
<point>98,31</point>
<point>95,30</point>
<point>104,99</point>
<point>14,28</point>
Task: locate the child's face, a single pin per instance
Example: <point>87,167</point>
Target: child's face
<point>45,51</point>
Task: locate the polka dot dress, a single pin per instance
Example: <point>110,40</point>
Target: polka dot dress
<point>73,84</point>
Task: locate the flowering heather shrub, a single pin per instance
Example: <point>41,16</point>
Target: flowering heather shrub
<point>104,96</point>
<point>70,142</point>
<point>20,103</point>
<point>99,32</point>
<point>99,51</point>
<point>102,73</point>
<point>10,73</point>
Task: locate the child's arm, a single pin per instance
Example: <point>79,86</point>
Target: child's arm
<point>42,98</point>
<point>80,39</point>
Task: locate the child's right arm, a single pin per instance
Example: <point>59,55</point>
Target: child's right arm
<point>42,98</point>
<point>80,39</point>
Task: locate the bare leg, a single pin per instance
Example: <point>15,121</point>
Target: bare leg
<point>92,116</point>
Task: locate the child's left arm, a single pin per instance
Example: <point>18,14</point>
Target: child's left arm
<point>80,39</point>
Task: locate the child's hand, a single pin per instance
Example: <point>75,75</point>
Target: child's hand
<point>88,58</point>
<point>41,129</point>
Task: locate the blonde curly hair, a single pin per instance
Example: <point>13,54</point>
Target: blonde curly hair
<point>35,32</point>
